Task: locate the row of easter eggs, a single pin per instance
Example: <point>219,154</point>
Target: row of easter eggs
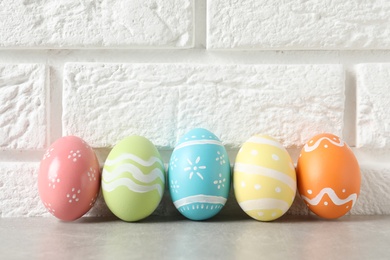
<point>199,177</point>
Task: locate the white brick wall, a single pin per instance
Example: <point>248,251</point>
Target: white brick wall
<point>96,24</point>
<point>18,190</point>
<point>23,106</point>
<point>164,101</point>
<point>373,110</point>
<point>103,70</point>
<point>298,24</point>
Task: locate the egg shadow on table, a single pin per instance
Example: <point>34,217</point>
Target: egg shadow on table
<point>226,215</point>
<point>227,218</point>
<point>94,220</point>
<point>312,218</point>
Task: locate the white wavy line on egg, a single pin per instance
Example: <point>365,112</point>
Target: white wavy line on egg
<point>134,171</point>
<point>261,204</point>
<point>308,148</point>
<point>125,156</point>
<point>263,171</point>
<point>196,142</point>
<point>262,140</point>
<point>332,195</point>
<point>199,199</point>
<point>131,185</point>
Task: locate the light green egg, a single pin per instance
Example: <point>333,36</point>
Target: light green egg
<point>133,179</point>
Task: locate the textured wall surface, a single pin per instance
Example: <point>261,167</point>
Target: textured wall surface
<point>23,106</point>
<point>297,24</point>
<point>18,186</point>
<point>373,110</point>
<point>178,98</point>
<point>103,70</point>
<point>96,24</point>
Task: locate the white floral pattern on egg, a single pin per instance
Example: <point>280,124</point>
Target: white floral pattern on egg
<point>199,174</point>
<point>65,183</point>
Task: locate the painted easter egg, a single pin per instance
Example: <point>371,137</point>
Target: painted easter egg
<point>133,179</point>
<point>69,178</point>
<point>328,176</point>
<point>199,175</point>
<point>264,178</point>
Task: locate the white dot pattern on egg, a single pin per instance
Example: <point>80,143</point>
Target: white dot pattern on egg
<point>199,175</point>
<point>329,176</point>
<point>267,180</point>
<point>69,178</point>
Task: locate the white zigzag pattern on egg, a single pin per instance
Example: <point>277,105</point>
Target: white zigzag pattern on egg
<point>135,172</point>
<point>110,181</point>
<point>332,195</point>
<point>308,148</point>
<point>152,160</point>
<point>131,185</point>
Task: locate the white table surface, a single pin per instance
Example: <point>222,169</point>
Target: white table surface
<point>223,237</point>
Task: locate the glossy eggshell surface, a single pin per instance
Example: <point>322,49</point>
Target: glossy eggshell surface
<point>133,179</point>
<point>328,176</point>
<point>199,175</point>
<point>264,178</point>
<point>69,178</point>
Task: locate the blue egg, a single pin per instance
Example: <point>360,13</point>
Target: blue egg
<point>199,175</point>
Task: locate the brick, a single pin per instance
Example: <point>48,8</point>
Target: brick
<point>373,111</point>
<point>374,196</point>
<point>103,103</point>
<point>292,24</point>
<point>101,24</point>
<point>289,102</point>
<point>19,195</point>
<point>298,207</point>
<point>23,119</point>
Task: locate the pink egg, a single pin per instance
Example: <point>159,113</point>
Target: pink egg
<point>69,178</point>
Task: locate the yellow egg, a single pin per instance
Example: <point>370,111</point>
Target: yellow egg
<point>264,178</point>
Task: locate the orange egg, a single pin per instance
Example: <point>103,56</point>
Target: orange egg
<point>328,176</point>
